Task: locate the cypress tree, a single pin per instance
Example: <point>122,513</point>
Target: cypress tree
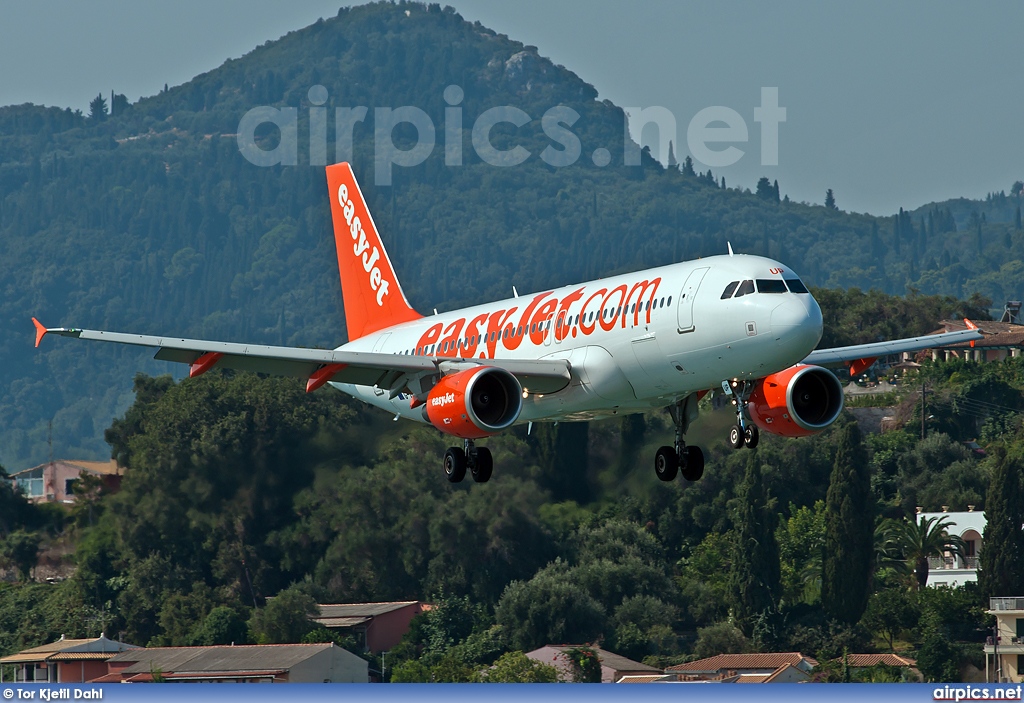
<point>849,530</point>
<point>1017,218</point>
<point>756,570</point>
<point>1002,559</point>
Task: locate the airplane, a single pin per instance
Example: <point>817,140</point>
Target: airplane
<point>658,338</point>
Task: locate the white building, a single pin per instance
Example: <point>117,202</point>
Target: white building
<point>955,571</point>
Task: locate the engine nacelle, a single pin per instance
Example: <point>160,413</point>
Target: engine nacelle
<point>800,401</point>
<point>475,403</point>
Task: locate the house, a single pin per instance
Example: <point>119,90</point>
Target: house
<point>859,662</point>
<point>257,663</point>
<point>64,661</point>
<point>613,666</point>
<point>1004,650</point>
<point>1000,340</point>
<point>950,570</point>
<point>757,668</point>
<point>53,482</point>
<point>377,626</point>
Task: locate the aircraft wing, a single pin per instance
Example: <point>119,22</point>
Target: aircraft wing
<point>861,356</point>
<point>387,371</point>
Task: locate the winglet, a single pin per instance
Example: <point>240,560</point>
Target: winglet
<point>40,331</point>
<point>970,326</point>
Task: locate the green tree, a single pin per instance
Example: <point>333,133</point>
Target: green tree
<point>765,189</point>
<point>1001,568</point>
<point>286,618</point>
<point>918,540</point>
<point>830,200</point>
<point>516,667</point>
<point>720,638</point>
<point>20,550</point>
<point>584,664</point>
<point>755,578</point>
<point>98,108</point>
<point>849,536</point>
<point>223,625</point>
<point>891,611</point>
<point>549,608</point>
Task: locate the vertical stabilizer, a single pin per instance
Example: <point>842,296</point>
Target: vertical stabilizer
<point>373,297</point>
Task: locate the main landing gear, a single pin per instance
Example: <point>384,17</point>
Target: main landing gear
<point>477,459</point>
<point>744,433</point>
<point>680,459</point>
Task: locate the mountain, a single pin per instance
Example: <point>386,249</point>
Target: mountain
<point>151,220</point>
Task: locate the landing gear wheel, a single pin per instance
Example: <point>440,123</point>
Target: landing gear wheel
<point>455,464</point>
<point>666,463</point>
<point>483,466</point>
<point>751,436</point>
<point>693,468</point>
<point>736,437</point>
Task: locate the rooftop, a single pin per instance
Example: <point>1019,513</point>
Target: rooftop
<point>219,660</point>
<point>770,661</point>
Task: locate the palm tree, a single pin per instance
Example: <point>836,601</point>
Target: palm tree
<point>914,542</point>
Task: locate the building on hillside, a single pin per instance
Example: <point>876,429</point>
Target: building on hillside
<point>949,570</point>
<point>1004,650</point>
<point>255,663</point>
<point>64,661</point>
<point>377,626</point>
<point>53,482</point>
<point>757,668</point>
<point>1000,340</point>
<point>859,662</point>
<point>613,666</point>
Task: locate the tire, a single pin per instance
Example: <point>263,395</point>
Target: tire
<point>751,436</point>
<point>694,467</point>
<point>484,465</point>
<point>454,464</point>
<point>736,437</point>
<point>666,463</point>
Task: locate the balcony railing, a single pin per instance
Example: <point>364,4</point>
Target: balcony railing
<point>939,563</point>
<point>1011,603</point>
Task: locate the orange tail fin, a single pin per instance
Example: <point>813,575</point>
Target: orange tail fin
<point>373,297</point>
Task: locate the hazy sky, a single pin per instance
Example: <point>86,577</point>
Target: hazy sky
<point>889,104</point>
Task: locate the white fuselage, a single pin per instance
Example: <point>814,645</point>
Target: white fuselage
<point>634,341</point>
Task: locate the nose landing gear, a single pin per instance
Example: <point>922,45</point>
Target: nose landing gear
<point>680,459</point>
<point>744,433</point>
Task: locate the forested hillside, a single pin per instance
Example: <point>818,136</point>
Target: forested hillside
<point>145,217</point>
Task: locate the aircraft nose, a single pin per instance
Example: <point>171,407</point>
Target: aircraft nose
<point>797,321</point>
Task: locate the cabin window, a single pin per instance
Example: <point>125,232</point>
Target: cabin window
<point>770,285</point>
<point>669,300</point>
<point>729,290</point>
<point>746,288</point>
<point>796,285</point>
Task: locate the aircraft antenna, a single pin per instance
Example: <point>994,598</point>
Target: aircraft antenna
<point>729,244</point>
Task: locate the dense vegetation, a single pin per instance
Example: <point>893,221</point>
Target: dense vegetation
<point>145,217</point>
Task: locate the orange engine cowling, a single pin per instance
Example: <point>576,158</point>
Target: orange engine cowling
<point>800,401</point>
<point>474,403</point>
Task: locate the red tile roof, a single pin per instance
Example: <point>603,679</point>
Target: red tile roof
<point>864,660</point>
<point>728,662</point>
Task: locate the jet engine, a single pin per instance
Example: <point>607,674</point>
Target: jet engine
<point>800,401</point>
<point>474,403</point>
